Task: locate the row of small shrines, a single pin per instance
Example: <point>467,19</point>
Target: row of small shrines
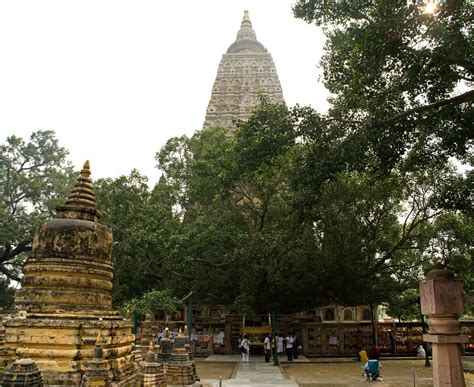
<point>169,365</point>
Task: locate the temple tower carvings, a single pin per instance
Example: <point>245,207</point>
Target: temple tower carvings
<point>65,300</point>
<point>245,71</point>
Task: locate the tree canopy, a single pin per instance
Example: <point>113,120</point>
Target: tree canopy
<point>35,177</point>
<point>400,78</point>
<point>272,217</point>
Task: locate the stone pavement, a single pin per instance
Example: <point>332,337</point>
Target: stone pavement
<point>256,374</point>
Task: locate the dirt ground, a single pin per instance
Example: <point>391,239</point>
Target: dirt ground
<point>212,371</point>
<point>394,372</point>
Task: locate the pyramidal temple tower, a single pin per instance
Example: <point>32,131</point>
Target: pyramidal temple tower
<point>245,71</point>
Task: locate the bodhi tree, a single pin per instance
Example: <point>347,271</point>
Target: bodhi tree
<point>35,177</point>
<point>274,217</point>
<point>400,78</point>
<point>402,103</point>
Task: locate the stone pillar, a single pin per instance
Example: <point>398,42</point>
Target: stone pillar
<point>305,340</point>
<point>442,300</point>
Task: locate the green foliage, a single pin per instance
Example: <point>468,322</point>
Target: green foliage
<point>452,243</point>
<point>401,79</point>
<point>291,219</point>
<point>405,305</point>
<point>296,209</point>
<point>35,177</point>
<point>141,221</point>
<point>152,302</point>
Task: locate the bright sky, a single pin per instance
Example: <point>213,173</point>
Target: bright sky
<point>116,79</point>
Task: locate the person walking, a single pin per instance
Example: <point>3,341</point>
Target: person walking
<point>289,347</point>
<point>267,348</point>
<point>245,349</point>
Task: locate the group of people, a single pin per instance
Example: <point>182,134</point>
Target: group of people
<point>290,344</point>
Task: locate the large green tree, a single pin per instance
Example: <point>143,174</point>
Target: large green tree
<point>143,225</point>
<point>400,78</point>
<point>401,105</point>
<point>35,177</point>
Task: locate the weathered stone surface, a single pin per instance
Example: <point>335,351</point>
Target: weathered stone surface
<point>23,372</point>
<point>65,300</point>
<point>179,370</point>
<point>246,70</point>
<point>98,372</point>
<point>152,372</point>
<point>441,295</point>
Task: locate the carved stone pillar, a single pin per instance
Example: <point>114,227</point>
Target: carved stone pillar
<point>442,299</point>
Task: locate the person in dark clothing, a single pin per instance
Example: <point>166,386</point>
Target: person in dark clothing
<point>296,342</point>
<point>374,353</point>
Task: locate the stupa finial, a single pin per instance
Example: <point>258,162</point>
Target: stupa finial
<point>86,169</point>
<point>81,201</point>
<point>246,16</point>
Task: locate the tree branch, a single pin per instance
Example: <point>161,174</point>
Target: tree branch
<point>457,100</point>
<point>9,274</point>
<point>22,247</point>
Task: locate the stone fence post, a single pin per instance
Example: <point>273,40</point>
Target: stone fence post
<point>442,299</point>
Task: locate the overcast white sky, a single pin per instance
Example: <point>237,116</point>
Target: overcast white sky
<point>116,79</point>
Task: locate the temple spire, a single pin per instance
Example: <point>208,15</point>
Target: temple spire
<point>246,32</point>
<point>80,203</point>
<point>245,71</point>
<point>246,17</point>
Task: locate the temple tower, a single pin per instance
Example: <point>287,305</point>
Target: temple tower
<point>65,300</point>
<point>245,71</point>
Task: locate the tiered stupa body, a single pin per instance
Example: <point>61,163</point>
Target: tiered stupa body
<point>246,71</point>
<point>65,299</point>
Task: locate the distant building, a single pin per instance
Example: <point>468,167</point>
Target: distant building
<point>245,71</point>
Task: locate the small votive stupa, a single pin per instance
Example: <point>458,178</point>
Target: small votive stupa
<point>65,299</point>
<point>152,372</point>
<point>179,370</point>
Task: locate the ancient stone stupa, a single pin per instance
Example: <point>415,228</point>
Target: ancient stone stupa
<point>246,70</point>
<point>65,299</point>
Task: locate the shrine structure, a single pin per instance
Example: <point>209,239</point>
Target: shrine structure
<point>65,300</point>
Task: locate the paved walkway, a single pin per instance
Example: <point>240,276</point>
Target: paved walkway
<point>256,374</point>
<point>259,374</point>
